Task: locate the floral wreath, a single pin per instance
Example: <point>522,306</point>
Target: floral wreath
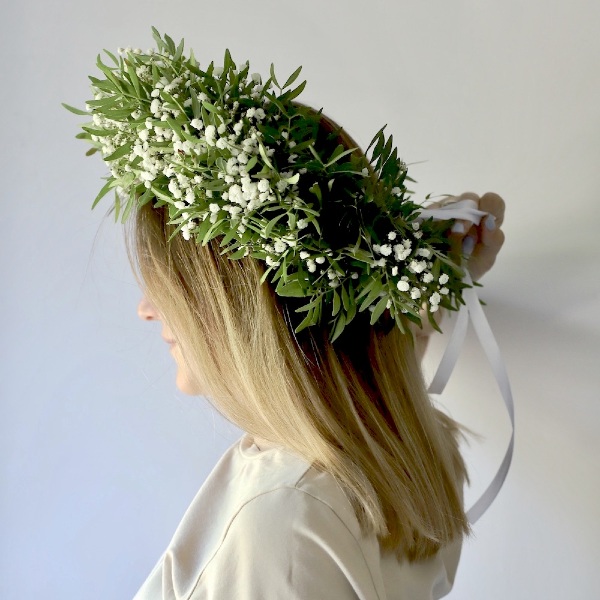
<point>232,158</point>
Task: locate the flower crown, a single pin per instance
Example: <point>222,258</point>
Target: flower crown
<point>231,158</point>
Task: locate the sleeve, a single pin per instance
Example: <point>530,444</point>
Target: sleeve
<point>287,544</point>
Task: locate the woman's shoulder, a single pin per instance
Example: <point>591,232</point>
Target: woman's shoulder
<point>289,481</point>
<point>267,512</point>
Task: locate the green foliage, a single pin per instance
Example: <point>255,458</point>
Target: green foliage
<point>326,204</point>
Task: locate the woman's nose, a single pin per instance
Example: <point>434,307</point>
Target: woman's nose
<point>146,310</point>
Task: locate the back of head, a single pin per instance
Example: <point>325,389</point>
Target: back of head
<point>356,407</point>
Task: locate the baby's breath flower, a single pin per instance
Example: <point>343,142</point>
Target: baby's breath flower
<point>417,266</point>
<point>210,132</point>
<point>280,246</point>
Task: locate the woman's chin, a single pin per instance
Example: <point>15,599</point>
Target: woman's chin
<point>185,386</point>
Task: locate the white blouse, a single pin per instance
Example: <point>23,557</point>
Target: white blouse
<point>266,525</point>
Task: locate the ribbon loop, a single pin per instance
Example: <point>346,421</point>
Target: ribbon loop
<point>472,311</point>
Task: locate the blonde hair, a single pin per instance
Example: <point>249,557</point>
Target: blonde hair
<point>357,408</point>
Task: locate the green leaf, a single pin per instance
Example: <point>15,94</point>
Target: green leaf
<point>306,306</point>
<point>292,77</point>
<point>371,297</point>
<point>179,51</point>
<point>345,298</point>
<point>337,154</point>
<point>272,71</point>
<point>338,327</point>
<point>367,288</point>
<point>308,321</point>
<point>293,94</point>
<point>112,56</point>
<point>377,138</point>
<point>134,78</point>
<point>271,224</point>
<point>74,110</point>
<point>210,232</point>
<point>433,322</point>
<point>177,230</point>
<point>316,190</point>
<point>160,194</point>
<point>119,152</point>
<point>336,303</point>
<point>170,44</point>
<point>158,39</point>
<point>239,253</point>
<point>379,308</point>
<point>109,74</point>
<point>100,132</point>
<point>201,230</point>
<point>105,189</point>
<point>145,197</point>
<point>210,107</point>
<point>264,275</point>
<point>264,156</point>
<point>195,104</point>
<point>230,235</point>
<point>105,102</point>
<point>314,153</point>
<point>130,204</point>
<point>250,164</point>
<point>293,179</point>
<point>292,288</point>
<point>117,206</point>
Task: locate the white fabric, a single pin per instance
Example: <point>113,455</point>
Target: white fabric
<point>267,526</point>
<point>467,210</point>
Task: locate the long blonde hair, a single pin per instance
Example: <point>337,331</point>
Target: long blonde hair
<point>357,408</point>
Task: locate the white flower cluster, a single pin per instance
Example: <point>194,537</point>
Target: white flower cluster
<point>235,136</point>
<point>402,250</point>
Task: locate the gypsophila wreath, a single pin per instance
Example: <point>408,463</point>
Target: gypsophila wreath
<point>232,158</point>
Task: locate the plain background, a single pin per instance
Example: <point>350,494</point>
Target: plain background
<point>100,454</point>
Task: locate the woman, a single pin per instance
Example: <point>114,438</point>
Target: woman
<point>348,481</point>
<point>271,520</point>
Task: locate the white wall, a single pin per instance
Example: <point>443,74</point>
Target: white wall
<point>100,454</point>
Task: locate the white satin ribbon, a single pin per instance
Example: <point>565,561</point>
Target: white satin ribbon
<point>467,210</point>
